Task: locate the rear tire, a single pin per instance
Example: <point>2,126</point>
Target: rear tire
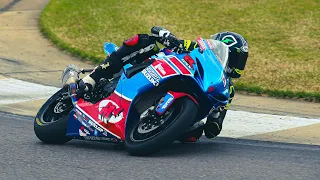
<point>51,122</point>
<point>185,111</point>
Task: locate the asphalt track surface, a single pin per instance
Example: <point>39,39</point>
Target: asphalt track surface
<point>23,156</point>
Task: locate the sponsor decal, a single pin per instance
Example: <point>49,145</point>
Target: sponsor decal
<point>201,44</point>
<point>229,40</point>
<point>141,51</point>
<point>83,131</point>
<point>86,131</point>
<point>160,69</point>
<point>163,68</point>
<point>165,103</point>
<point>186,63</point>
<point>83,119</point>
<point>110,112</point>
<point>164,33</point>
<point>85,124</point>
<point>244,48</point>
<point>79,113</point>
<point>168,102</point>
<point>39,122</point>
<point>95,126</point>
<point>105,65</point>
<point>94,138</point>
<point>151,75</point>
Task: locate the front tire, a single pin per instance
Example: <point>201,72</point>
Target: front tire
<point>183,114</point>
<point>50,124</point>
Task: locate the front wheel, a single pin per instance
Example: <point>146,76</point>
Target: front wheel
<point>50,124</point>
<point>151,133</point>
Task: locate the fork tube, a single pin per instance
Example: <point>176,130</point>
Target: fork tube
<point>73,93</point>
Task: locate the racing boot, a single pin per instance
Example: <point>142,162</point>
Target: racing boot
<point>193,134</point>
<point>213,126</point>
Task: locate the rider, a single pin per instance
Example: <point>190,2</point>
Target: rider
<point>141,46</point>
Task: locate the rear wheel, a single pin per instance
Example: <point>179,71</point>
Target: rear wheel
<point>51,122</point>
<point>152,132</point>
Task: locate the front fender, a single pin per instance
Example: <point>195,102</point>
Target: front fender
<point>169,98</point>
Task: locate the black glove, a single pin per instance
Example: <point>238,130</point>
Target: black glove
<point>84,90</point>
<point>166,38</point>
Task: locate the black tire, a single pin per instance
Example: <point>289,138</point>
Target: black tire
<point>53,132</point>
<point>185,114</point>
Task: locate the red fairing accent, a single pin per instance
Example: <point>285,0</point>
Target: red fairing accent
<point>132,41</point>
<point>192,139</point>
<point>189,60</point>
<point>110,113</point>
<point>201,44</point>
<point>168,51</point>
<point>179,65</point>
<point>178,95</point>
<point>163,68</point>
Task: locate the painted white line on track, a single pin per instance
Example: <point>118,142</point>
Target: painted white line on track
<point>236,124</point>
<point>15,91</point>
<point>241,123</point>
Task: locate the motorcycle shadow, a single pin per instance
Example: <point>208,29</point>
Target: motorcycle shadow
<point>94,145</point>
<point>176,149</point>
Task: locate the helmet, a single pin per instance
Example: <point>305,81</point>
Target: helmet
<point>238,51</point>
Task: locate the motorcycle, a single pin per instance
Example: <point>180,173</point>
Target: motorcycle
<point>146,107</point>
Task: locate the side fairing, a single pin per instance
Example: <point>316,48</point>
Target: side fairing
<point>104,119</point>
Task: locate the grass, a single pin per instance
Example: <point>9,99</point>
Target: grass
<point>283,36</point>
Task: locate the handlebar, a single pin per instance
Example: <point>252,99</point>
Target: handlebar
<point>83,71</point>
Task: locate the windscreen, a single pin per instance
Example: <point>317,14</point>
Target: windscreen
<point>221,51</point>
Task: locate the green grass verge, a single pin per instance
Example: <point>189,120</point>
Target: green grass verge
<point>46,31</point>
<point>312,97</point>
<point>283,36</point>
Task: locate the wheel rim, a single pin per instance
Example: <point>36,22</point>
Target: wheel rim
<point>57,109</point>
<point>151,124</point>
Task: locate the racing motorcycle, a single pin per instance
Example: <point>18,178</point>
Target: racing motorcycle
<point>146,107</point>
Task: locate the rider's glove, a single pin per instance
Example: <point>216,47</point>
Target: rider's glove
<point>166,38</point>
<point>84,89</point>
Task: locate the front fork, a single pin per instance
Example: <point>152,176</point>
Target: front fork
<point>168,100</point>
<point>73,93</point>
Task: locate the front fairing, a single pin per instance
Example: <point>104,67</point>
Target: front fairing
<point>211,77</point>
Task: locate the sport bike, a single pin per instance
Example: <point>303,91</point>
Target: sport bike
<point>145,107</point>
